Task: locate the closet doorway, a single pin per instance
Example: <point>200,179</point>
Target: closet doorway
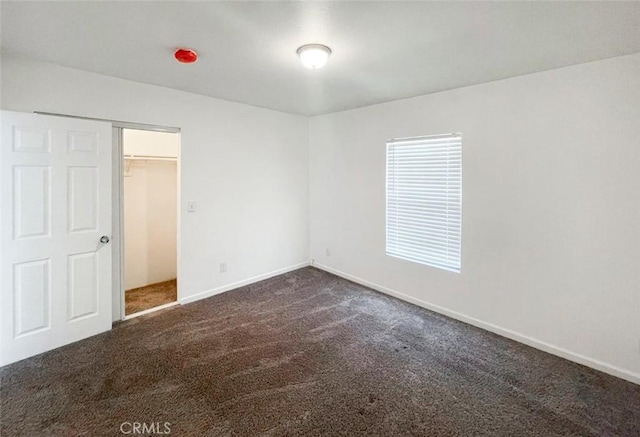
<point>150,219</point>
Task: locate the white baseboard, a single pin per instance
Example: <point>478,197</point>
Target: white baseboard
<point>213,292</point>
<point>513,335</point>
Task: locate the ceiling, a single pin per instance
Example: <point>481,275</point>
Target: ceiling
<point>382,51</point>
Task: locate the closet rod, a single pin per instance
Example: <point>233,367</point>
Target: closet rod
<point>146,158</point>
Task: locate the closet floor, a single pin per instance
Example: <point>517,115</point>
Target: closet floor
<point>150,296</point>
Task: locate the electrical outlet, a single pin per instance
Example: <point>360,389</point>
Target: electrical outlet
<point>327,252</point>
<point>223,267</point>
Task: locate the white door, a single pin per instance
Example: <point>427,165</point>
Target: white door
<point>55,196</point>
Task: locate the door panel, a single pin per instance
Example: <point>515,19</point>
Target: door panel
<point>83,285</point>
<point>31,139</point>
<point>82,196</point>
<point>55,194</point>
<point>82,142</point>
<point>32,296</point>
<point>31,200</point>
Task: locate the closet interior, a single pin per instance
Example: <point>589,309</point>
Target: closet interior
<point>150,210</point>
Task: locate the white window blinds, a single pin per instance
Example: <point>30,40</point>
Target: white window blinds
<point>424,200</point>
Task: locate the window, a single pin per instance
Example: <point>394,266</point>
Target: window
<point>424,200</point>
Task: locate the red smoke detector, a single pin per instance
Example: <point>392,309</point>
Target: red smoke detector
<point>186,56</point>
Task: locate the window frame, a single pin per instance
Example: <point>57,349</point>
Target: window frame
<point>456,265</point>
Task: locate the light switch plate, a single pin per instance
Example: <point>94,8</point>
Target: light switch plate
<point>191,206</point>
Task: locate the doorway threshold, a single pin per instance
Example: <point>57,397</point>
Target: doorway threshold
<point>150,310</point>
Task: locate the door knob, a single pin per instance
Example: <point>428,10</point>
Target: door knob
<point>104,239</point>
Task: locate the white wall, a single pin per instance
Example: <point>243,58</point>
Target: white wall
<point>246,167</point>
<point>551,209</point>
<point>150,143</point>
<point>150,223</point>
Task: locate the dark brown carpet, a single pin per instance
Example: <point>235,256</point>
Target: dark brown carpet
<point>310,354</point>
<point>150,296</point>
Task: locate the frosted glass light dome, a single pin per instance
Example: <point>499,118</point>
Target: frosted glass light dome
<point>314,55</point>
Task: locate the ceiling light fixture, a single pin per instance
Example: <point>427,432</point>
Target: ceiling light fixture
<point>186,56</point>
<point>314,55</point>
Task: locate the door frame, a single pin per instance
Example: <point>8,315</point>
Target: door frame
<point>118,299</point>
